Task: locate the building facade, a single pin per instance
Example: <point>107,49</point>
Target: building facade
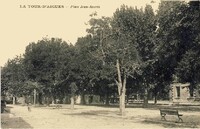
<point>180,93</point>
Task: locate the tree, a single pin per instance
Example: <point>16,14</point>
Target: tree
<point>14,77</point>
<point>188,67</point>
<point>177,41</point>
<point>88,65</point>
<point>73,89</point>
<point>115,49</point>
<point>139,28</point>
<point>43,61</point>
<point>145,38</point>
<point>171,46</point>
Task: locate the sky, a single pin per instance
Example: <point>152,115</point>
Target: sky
<point>21,26</point>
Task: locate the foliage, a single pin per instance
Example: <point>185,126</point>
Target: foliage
<point>43,61</point>
<point>178,41</point>
<point>14,77</point>
<point>135,50</point>
<point>188,67</point>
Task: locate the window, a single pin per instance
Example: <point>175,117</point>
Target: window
<point>178,92</point>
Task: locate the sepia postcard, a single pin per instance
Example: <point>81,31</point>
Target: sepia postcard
<point>99,64</point>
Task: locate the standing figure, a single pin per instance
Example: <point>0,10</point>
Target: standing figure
<point>29,108</point>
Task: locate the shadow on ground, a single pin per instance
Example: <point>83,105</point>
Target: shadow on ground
<point>191,121</point>
<point>8,120</point>
<point>103,113</point>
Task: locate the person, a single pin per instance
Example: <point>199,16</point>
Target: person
<point>29,108</point>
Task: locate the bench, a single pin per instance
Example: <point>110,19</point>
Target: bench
<point>176,103</point>
<point>197,99</point>
<point>164,112</point>
<point>56,105</point>
<point>132,101</point>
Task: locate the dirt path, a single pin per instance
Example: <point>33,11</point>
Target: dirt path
<point>87,117</point>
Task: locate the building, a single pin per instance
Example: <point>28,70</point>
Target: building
<point>180,93</point>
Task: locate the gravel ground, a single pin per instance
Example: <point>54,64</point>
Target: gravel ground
<point>93,117</point>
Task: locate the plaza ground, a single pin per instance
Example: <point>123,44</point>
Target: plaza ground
<point>97,117</point>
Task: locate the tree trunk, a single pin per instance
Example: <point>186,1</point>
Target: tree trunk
<point>122,104</point>
<point>24,99</point>
<point>53,100</point>
<point>191,89</point>
<point>83,99</point>
<point>34,97</point>
<point>127,98</point>
<point>107,98</point>
<point>123,97</point>
<point>72,102</point>
<point>48,100</point>
<point>121,90</point>
<point>145,104</point>
<point>40,98</point>
<point>14,100</point>
<point>155,99</point>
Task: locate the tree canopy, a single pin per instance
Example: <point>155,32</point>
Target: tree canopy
<point>135,50</point>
